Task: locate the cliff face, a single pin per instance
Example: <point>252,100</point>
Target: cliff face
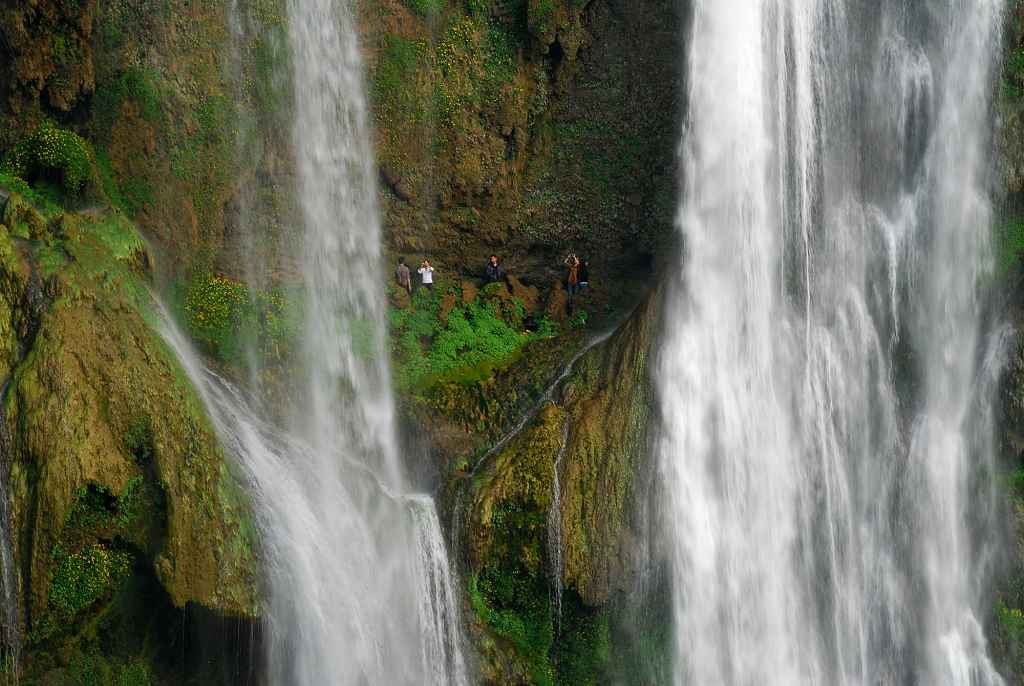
<point>526,127</point>
<point>120,499</point>
<point>523,127</point>
<point>551,566</point>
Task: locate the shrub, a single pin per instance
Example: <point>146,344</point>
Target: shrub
<point>1013,74</point>
<point>49,151</point>
<point>225,316</point>
<point>96,670</point>
<point>477,337</point>
<point>213,306</point>
<point>510,593</point>
<point>84,577</point>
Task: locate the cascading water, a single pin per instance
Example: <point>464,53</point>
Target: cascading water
<point>825,382</point>
<point>359,585</point>
<point>554,540</point>
<point>338,613</point>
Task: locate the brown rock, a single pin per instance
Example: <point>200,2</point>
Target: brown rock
<point>529,295</point>
<point>558,303</point>
<point>469,291</point>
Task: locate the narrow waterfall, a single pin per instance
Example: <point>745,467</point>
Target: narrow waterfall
<point>554,541</point>
<point>359,586</point>
<point>825,381</point>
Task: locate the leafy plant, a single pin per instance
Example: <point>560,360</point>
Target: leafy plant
<point>84,577</point>
<point>50,150</point>
<point>225,315</point>
<point>472,341</point>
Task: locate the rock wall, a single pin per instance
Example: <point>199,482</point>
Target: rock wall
<point>596,430</point>
<point>120,498</point>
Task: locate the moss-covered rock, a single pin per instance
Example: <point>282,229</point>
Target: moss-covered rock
<point>598,425</point>
<point>115,470</point>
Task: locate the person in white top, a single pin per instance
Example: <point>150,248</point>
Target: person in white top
<point>426,275</point>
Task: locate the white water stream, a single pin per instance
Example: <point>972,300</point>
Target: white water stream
<point>825,381</point>
<point>359,587</point>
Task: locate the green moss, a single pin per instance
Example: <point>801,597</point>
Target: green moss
<point>138,439</point>
<point>270,56</point>
<point>52,151</point>
<point>1013,74</point>
<point>510,592</point>
<point>205,160</point>
<point>21,187</point>
<point>541,14</point>
<point>395,82</point>
<point>583,652</point>
<point>137,85</point>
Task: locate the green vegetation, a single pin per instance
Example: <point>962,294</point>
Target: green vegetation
<point>84,577</point>
<point>584,646</point>
<point>94,670</point>
<point>225,316</point>
<point>1009,241</point>
<point>472,66</point>
<point>204,160</point>
<point>18,185</point>
<point>511,595</point>
<point>425,8</point>
<point>55,153</point>
<point>439,338</point>
<point>510,592</point>
<point>99,514</point>
<point>138,439</point>
<point>269,90</point>
<point>136,85</point>
<point>1011,621</point>
<point>541,12</point>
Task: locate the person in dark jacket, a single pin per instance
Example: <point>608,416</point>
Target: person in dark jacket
<point>402,275</point>
<point>493,273</point>
<point>584,275</point>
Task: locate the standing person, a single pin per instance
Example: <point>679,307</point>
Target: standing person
<point>427,275</point>
<point>584,274</point>
<point>493,272</point>
<point>403,276</point>
<point>573,280</point>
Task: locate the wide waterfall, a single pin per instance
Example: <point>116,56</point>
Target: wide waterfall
<point>825,380</point>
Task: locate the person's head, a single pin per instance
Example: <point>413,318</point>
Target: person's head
<point>494,259</point>
<point>401,260</point>
<point>426,262</point>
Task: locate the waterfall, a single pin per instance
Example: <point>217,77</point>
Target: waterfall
<point>554,541</point>
<point>825,381</point>
<point>358,582</point>
<point>328,620</point>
